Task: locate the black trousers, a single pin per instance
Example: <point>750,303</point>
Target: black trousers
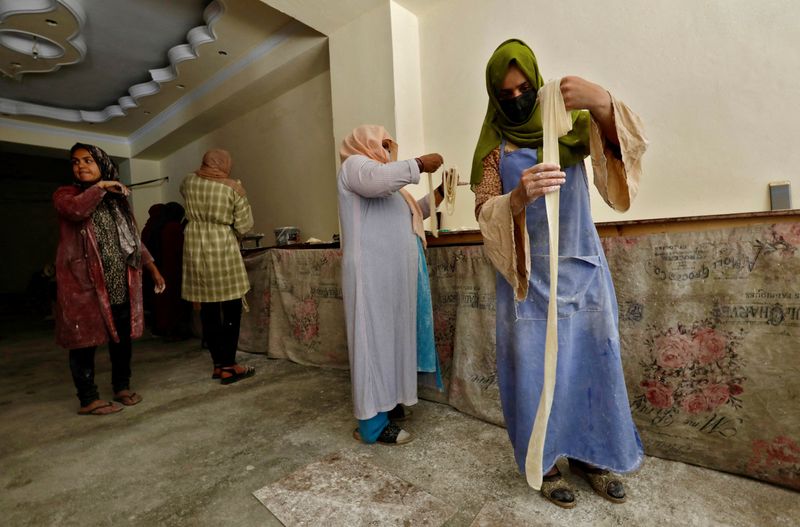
<point>221,321</point>
<point>81,360</point>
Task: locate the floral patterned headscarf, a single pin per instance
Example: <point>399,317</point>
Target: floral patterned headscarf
<point>108,169</point>
<point>129,239</point>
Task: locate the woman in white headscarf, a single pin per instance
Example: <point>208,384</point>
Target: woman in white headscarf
<point>384,279</point>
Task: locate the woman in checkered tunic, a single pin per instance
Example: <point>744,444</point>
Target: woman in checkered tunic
<point>218,214</point>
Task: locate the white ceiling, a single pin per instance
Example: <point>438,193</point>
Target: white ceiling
<point>150,75</point>
<point>141,57</point>
<point>124,40</point>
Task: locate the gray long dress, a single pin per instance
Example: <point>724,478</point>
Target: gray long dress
<point>379,282</point>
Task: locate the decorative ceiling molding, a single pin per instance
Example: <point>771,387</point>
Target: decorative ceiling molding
<point>260,51</point>
<point>195,38</point>
<point>222,76</point>
<point>40,36</point>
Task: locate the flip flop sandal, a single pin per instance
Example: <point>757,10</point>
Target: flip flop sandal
<point>128,398</point>
<point>392,435</point>
<point>557,490</point>
<point>105,408</point>
<point>235,376</point>
<point>603,482</point>
<point>217,373</point>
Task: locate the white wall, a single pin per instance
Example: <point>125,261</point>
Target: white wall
<point>362,85</point>
<point>282,152</point>
<point>716,82</point>
<point>407,83</point>
<point>408,91</point>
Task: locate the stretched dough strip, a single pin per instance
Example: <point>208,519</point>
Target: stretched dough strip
<point>450,184</point>
<point>555,123</point>
<point>432,207</point>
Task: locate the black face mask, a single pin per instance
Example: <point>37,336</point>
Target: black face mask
<point>519,109</point>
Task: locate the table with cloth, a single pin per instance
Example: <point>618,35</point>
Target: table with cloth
<point>709,328</point>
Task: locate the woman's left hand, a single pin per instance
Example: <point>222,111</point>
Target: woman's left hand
<point>580,94</point>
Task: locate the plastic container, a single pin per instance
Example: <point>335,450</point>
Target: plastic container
<point>286,235</point>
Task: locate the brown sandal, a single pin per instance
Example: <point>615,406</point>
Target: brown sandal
<point>99,407</point>
<point>603,482</point>
<point>557,490</point>
<point>127,397</point>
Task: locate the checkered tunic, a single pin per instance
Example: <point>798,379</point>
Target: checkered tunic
<point>213,270</point>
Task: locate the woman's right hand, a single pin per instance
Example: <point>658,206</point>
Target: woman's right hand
<point>113,186</point>
<point>535,182</point>
<point>431,162</point>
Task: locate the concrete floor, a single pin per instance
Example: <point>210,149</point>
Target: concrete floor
<point>193,452</point>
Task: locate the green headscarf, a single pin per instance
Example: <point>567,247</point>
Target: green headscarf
<point>573,147</point>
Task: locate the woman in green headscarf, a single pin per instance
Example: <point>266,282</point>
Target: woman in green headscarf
<point>590,421</point>
<point>513,113</point>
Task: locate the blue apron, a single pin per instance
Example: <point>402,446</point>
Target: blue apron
<point>590,419</point>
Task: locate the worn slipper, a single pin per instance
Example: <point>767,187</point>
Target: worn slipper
<point>392,435</point>
<point>557,490</point>
<point>230,374</point>
<point>127,397</point>
<point>100,407</point>
<point>603,482</point>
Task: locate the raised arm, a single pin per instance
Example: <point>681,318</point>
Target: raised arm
<point>370,179</point>
<point>617,140</point>
<point>74,205</point>
<point>580,94</point>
